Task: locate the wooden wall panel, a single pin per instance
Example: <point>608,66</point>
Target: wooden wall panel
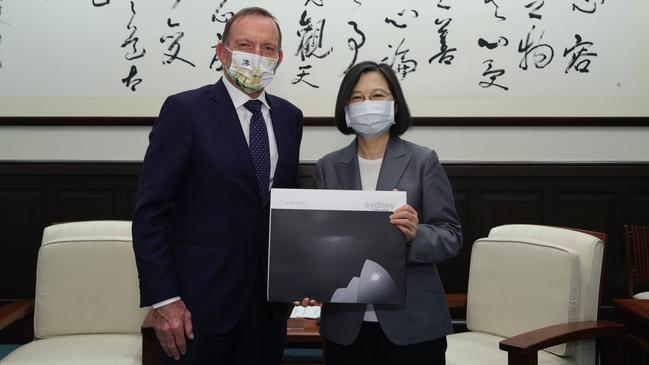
<point>130,203</point>
<point>599,197</point>
<point>22,216</point>
<point>458,266</point>
<point>638,205</point>
<point>585,210</point>
<point>76,205</point>
<point>497,208</point>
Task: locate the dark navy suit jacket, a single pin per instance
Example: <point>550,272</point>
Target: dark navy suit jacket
<point>200,230</point>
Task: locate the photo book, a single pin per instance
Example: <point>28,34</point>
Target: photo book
<point>336,246</point>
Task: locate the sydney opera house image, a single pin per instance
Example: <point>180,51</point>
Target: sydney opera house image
<point>336,256</point>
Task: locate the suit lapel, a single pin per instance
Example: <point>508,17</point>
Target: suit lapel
<point>227,117</point>
<point>349,176</point>
<point>395,161</point>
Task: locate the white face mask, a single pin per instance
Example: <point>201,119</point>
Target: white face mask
<point>251,72</point>
<point>370,118</point>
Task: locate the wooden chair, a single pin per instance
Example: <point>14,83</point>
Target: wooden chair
<point>513,272</point>
<point>636,245</point>
<point>86,299</point>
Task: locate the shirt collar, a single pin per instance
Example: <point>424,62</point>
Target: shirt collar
<point>239,97</point>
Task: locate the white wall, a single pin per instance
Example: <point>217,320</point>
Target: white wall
<point>454,144</point>
<point>479,144</point>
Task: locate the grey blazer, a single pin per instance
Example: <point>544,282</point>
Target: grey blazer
<point>416,170</point>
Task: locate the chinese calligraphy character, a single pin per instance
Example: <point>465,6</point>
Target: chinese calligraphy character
<point>414,12</point>
<point>444,53</point>
<point>314,2</point>
<point>302,75</point>
<point>533,14</point>
<point>541,53</point>
<point>499,17</point>
<point>502,41</point>
<point>97,3</point>
<point>174,42</point>
<point>443,6</point>
<point>580,59</point>
<point>404,66</point>
<point>130,81</point>
<point>311,38</point>
<point>223,18</point>
<point>353,44</point>
<point>390,21</point>
<point>174,48</point>
<point>393,22</point>
<point>493,75</point>
<point>132,39</point>
<point>576,7</point>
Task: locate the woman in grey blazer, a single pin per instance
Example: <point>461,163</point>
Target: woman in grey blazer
<point>371,104</point>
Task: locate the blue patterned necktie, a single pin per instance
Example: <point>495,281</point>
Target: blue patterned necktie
<point>259,149</point>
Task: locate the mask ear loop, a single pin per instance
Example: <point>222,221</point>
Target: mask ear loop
<point>227,68</point>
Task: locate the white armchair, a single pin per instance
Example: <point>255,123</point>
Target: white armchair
<point>532,290</point>
<point>87,298</point>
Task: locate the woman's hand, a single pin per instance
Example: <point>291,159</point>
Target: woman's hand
<point>406,219</point>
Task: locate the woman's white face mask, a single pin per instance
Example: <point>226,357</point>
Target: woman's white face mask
<point>370,118</point>
<point>251,72</point>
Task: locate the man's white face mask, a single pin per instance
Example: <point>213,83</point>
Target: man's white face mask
<point>251,72</point>
<point>370,118</point>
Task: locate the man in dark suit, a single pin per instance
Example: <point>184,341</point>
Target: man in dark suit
<point>200,228</point>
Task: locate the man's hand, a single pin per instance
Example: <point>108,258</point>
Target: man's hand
<point>172,323</point>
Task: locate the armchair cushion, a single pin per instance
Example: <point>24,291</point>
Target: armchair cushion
<point>590,250</point>
<point>507,295</point>
<point>80,350</point>
<point>466,347</point>
<point>86,280</point>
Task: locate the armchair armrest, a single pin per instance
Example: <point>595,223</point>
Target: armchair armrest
<point>456,300</point>
<point>522,349</point>
<point>14,311</point>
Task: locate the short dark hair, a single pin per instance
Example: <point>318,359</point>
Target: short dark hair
<point>402,113</point>
<point>253,10</point>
